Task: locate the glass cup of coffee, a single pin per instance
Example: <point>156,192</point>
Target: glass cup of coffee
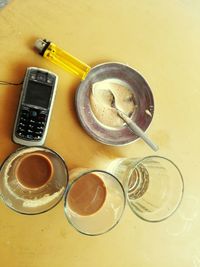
<point>94,201</point>
<point>154,185</point>
<point>33,180</point>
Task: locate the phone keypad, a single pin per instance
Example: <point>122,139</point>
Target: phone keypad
<point>31,124</point>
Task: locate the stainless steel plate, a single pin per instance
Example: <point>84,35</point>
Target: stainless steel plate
<point>143,98</point>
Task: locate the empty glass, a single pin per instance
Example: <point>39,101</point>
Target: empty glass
<point>154,185</point>
<point>94,201</point>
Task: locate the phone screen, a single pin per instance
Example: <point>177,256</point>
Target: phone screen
<point>38,94</point>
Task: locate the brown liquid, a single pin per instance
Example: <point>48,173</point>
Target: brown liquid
<point>87,195</point>
<point>34,170</point>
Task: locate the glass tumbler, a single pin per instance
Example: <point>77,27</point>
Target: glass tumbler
<point>94,201</point>
<point>20,188</point>
<point>154,185</point>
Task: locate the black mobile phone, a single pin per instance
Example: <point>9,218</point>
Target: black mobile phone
<point>35,107</point>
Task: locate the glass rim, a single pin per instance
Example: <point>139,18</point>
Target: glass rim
<point>61,196</point>
<point>182,189</point>
<point>74,181</point>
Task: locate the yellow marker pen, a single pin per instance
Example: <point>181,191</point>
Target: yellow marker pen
<point>61,58</point>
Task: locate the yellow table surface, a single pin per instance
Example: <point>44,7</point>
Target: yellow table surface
<point>160,39</point>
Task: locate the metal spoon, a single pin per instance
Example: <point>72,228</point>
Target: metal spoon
<point>131,124</point>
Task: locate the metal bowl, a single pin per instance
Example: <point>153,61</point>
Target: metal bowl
<point>143,114</point>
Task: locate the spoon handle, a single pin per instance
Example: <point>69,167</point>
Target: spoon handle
<point>137,130</point>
